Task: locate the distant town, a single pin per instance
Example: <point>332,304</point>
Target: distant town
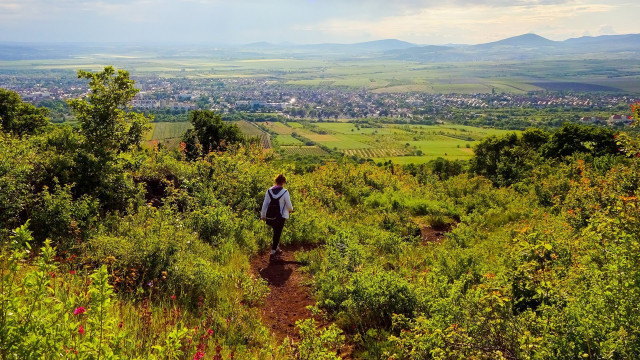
<point>253,95</point>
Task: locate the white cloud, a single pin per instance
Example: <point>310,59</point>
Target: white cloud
<point>305,21</point>
<point>472,23</point>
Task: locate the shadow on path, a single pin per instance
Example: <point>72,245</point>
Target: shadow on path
<point>288,299</point>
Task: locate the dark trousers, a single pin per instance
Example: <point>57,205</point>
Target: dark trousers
<point>277,226</point>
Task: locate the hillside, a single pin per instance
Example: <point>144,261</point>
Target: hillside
<point>529,250</point>
<point>526,46</point>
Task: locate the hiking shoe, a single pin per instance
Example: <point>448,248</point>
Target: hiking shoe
<point>275,255</point>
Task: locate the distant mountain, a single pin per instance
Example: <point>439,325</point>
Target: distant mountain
<point>368,47</point>
<point>357,49</point>
<point>384,45</point>
<point>605,43</point>
<point>524,47</point>
<point>429,53</point>
<point>518,48</point>
<point>521,41</point>
<point>262,45</point>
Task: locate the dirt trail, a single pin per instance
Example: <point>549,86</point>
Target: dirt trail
<point>288,300</point>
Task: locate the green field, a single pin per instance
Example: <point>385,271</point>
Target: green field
<point>304,150</point>
<point>169,130</point>
<point>285,140</point>
<point>278,128</point>
<point>402,144</point>
<point>384,76</point>
<point>168,134</point>
<point>249,129</point>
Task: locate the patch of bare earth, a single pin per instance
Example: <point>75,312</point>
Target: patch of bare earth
<point>435,234</point>
<point>288,299</point>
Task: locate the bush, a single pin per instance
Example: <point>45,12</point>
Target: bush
<point>373,297</point>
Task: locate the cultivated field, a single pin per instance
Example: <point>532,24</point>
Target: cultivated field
<point>168,134</point>
<point>388,76</point>
<point>304,150</point>
<point>252,130</point>
<point>399,143</point>
<point>285,140</point>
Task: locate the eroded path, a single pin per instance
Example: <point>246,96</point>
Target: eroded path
<point>288,300</point>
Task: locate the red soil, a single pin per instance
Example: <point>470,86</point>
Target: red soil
<point>435,234</point>
<point>288,300</point>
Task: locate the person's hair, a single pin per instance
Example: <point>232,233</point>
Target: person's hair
<point>280,179</point>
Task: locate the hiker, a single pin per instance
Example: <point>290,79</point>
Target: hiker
<point>275,209</point>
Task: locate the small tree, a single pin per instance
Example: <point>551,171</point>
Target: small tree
<point>105,122</point>
<point>209,133</point>
<point>18,117</point>
<point>107,129</point>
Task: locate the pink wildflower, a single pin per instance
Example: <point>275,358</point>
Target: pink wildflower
<point>79,310</point>
<point>198,355</point>
<point>81,330</point>
<point>72,272</point>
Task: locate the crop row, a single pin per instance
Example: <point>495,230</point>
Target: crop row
<point>303,150</point>
<point>375,153</point>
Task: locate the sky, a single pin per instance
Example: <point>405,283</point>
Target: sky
<point>310,21</point>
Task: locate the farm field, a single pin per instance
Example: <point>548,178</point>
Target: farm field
<point>400,143</point>
<point>304,150</point>
<point>170,130</point>
<point>279,128</point>
<point>168,134</point>
<point>382,75</point>
<point>285,140</point>
<point>252,130</point>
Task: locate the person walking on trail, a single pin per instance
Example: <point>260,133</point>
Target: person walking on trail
<point>275,210</point>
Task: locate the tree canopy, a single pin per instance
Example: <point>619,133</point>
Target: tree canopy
<point>209,133</point>
<point>105,122</point>
<point>19,117</point>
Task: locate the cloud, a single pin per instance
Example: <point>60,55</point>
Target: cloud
<point>306,21</point>
<point>473,23</point>
<point>606,30</point>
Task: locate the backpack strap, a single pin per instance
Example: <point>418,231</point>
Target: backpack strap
<point>277,198</point>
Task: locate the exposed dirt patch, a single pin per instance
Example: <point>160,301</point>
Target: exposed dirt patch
<point>435,234</point>
<point>156,188</point>
<point>288,300</point>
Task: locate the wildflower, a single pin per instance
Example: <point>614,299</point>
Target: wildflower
<point>52,274</point>
<point>173,297</point>
<point>72,272</point>
<point>81,330</point>
<point>198,355</point>
<point>210,332</point>
<point>79,310</point>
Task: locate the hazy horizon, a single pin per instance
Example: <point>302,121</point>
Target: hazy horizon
<point>215,22</point>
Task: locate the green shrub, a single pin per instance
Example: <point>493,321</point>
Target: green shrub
<point>373,297</point>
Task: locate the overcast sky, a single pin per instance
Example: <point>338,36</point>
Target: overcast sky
<point>311,21</point>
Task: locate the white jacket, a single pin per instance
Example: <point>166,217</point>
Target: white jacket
<point>285,203</point>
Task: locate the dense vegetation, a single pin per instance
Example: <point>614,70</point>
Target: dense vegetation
<point>112,251</point>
